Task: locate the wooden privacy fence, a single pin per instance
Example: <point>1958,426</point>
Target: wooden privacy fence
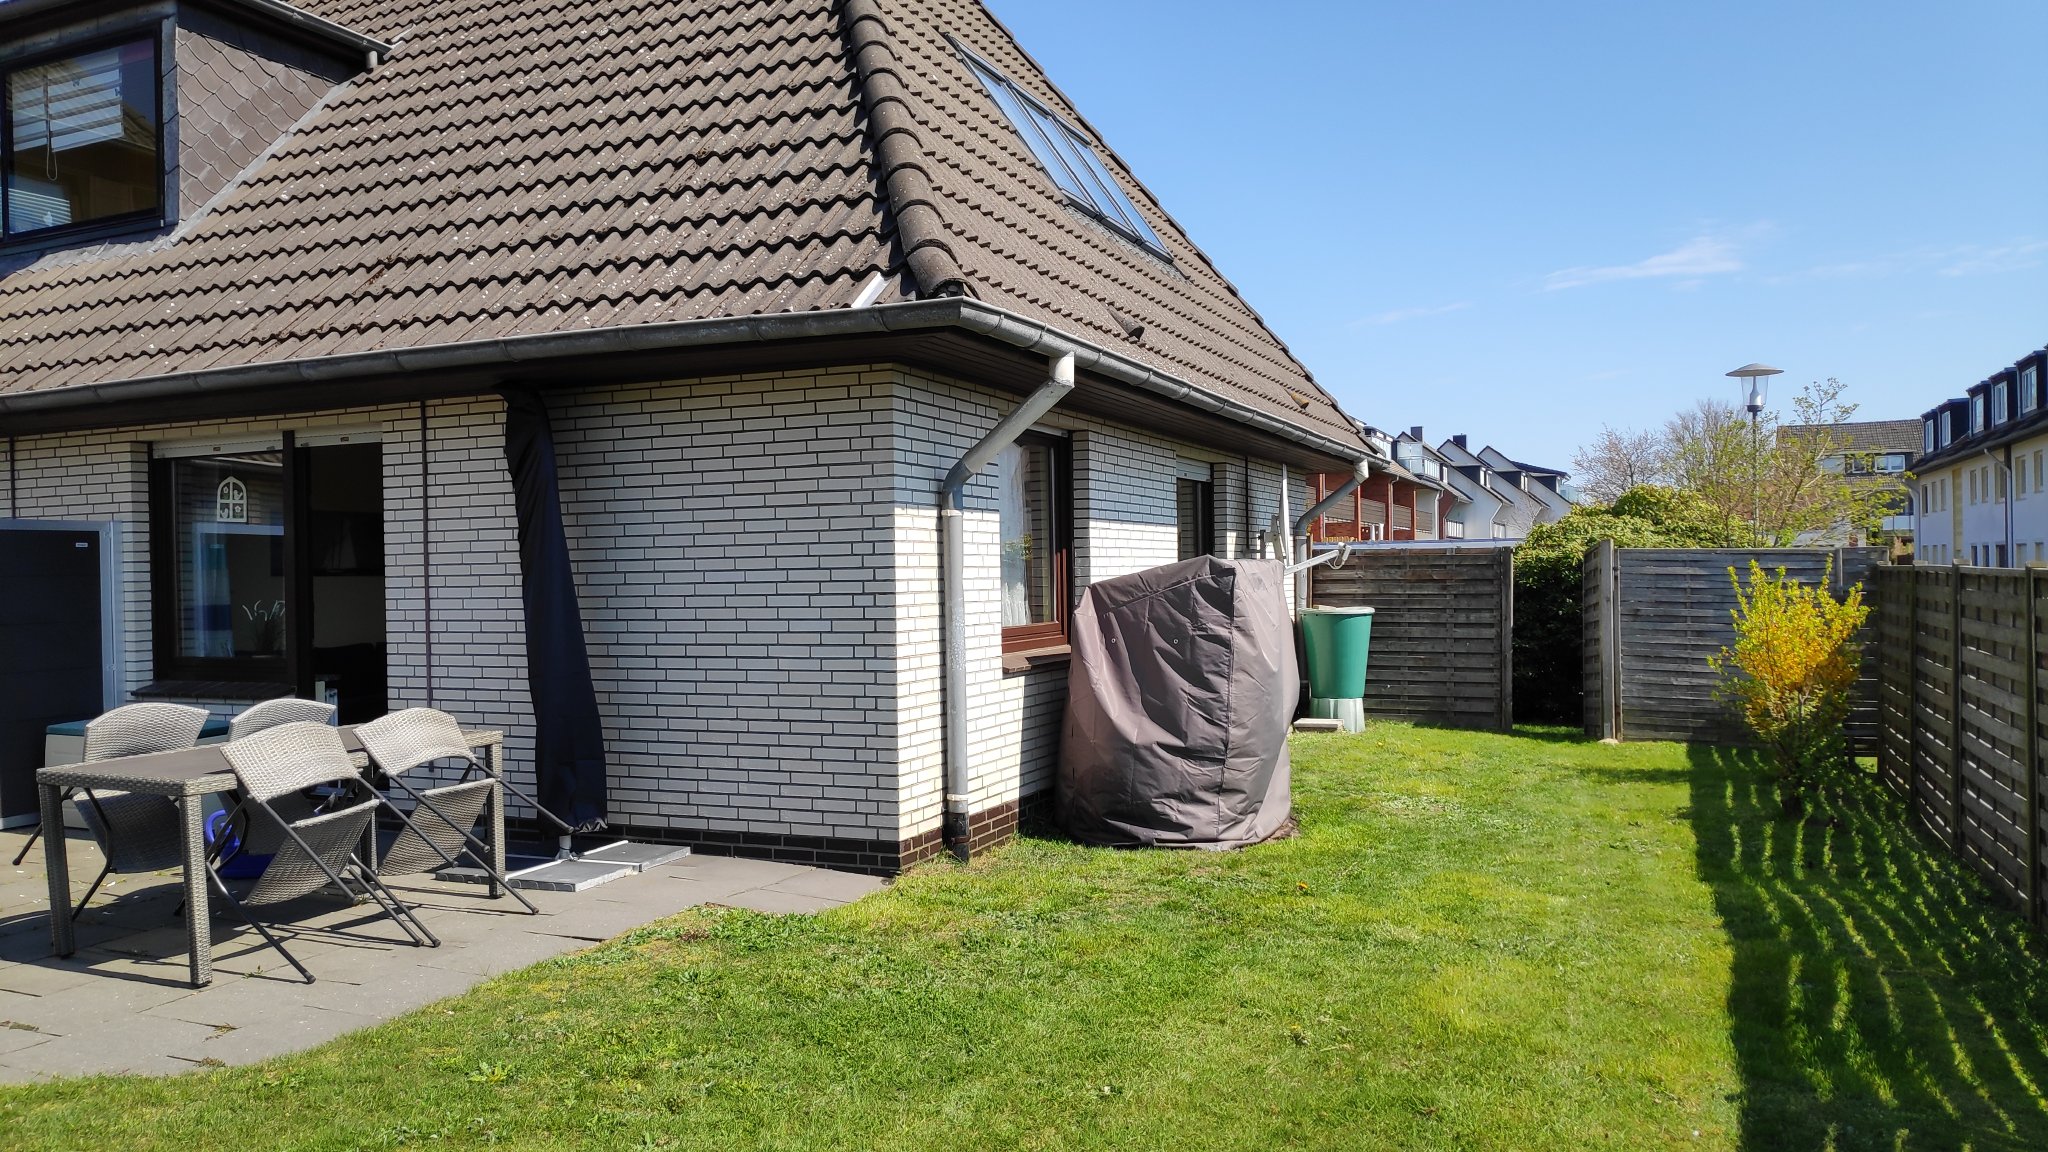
<point>1959,713</point>
<point>1442,631</point>
<point>1654,615</point>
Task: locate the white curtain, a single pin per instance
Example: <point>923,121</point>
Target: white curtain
<point>1014,515</point>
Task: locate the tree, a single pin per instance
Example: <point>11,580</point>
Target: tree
<point>1763,488</point>
<point>1618,460</point>
<point>1548,640</point>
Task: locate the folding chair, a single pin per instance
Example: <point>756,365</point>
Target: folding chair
<point>135,833</point>
<point>263,835</point>
<point>438,829</point>
<point>318,850</point>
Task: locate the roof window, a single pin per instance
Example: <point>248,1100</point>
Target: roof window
<point>1065,154</point>
<point>83,139</point>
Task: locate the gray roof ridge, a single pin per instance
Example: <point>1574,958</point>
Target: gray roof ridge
<point>899,155</point>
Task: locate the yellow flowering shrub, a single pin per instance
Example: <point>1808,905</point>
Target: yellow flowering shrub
<point>1790,672</point>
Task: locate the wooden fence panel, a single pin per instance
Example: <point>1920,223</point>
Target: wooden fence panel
<point>1892,600</point>
<point>1672,610</point>
<point>1442,631</point>
<point>1990,804</point>
<point>1601,672</point>
<point>1961,701</point>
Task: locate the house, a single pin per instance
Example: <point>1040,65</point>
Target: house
<point>1549,487</point>
<point>833,350</point>
<point>1978,482</point>
<point>1405,497</point>
<point>1871,455</point>
<point>1506,498</point>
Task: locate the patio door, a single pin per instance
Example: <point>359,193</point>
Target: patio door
<point>54,655</point>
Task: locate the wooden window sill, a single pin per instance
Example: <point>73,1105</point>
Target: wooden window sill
<point>1055,656</point>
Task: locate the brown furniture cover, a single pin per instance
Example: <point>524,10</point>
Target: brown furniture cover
<point>1180,693</point>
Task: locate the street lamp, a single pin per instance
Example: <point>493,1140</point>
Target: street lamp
<point>1755,379</point>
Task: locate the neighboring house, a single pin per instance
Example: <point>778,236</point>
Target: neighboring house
<point>1872,456</point>
<point>1980,484</point>
<point>1503,496</point>
<point>1549,487</point>
<point>274,282</point>
<point>1404,499</point>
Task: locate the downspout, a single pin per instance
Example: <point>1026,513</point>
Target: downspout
<point>2011,494</point>
<point>1358,476</point>
<point>952,586</point>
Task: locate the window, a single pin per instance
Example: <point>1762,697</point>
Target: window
<point>2019,476</point>
<point>1195,512</point>
<point>1977,412</point>
<point>1032,502</point>
<point>1948,428</point>
<point>2030,388</point>
<point>1065,154</point>
<point>221,596</point>
<point>1998,398</point>
<point>1891,463</point>
<point>83,140</point>
<point>1927,439</point>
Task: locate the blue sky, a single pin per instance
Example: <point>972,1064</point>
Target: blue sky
<point>1520,221</point>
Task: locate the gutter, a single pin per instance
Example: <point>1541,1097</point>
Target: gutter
<point>525,352</point>
<point>953,592</point>
<point>275,10</point>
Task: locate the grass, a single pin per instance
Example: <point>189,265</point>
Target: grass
<point>1478,942</point>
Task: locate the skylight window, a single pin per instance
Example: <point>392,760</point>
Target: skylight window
<point>1065,154</point>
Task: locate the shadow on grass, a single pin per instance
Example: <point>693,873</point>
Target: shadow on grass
<point>1879,998</point>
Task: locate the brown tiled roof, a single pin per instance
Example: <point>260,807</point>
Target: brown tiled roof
<point>1865,435</point>
<point>558,165</point>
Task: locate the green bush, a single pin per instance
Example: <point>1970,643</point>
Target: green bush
<point>1549,574</point>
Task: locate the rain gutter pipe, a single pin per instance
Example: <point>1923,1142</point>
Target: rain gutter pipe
<point>952,585</point>
<point>1358,476</point>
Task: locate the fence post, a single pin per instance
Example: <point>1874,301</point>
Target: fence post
<point>1913,682</point>
<point>1955,712</point>
<point>2030,756</point>
<point>1506,564</point>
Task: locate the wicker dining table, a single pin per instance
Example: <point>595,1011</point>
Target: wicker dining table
<point>187,776</point>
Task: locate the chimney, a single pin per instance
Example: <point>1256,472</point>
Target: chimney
<point>1459,439</point>
<point>1415,430</point>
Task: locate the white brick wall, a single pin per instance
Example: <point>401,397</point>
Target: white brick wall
<point>1124,494</point>
<point>757,560</point>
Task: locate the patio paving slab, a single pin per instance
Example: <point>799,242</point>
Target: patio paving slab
<point>121,1002</point>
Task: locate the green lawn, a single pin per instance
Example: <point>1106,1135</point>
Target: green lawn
<point>1477,942</point>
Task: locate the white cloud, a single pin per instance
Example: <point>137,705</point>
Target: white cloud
<point>1980,261</point>
<point>1399,315</point>
<point>1700,256</point>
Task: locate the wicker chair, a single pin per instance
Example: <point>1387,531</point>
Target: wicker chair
<point>136,833</point>
<point>318,849</point>
<point>437,832</point>
<point>283,710</point>
<point>264,835</point>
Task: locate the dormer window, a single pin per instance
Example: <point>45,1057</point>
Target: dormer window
<point>1998,395</point>
<point>1977,412</point>
<point>1066,155</point>
<point>1927,439</point>
<point>2030,388</point>
<point>84,139</point>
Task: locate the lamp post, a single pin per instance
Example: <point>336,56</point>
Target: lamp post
<point>1755,381</point>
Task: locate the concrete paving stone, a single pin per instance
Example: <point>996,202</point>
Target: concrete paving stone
<point>14,1036</point>
<point>12,1075</point>
<point>501,956</point>
<point>308,1028</point>
<point>770,900</point>
<point>842,886</point>
<point>94,1055</point>
<point>758,873</point>
<point>43,977</point>
<point>390,989</point>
